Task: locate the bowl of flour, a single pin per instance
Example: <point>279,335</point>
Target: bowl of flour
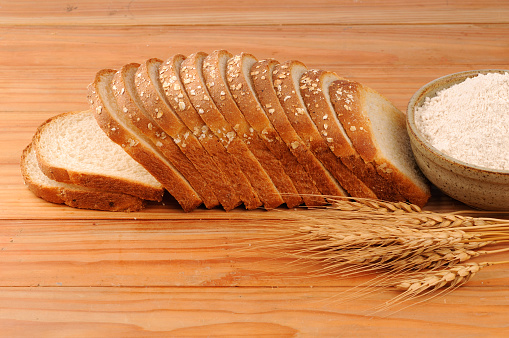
<point>459,132</point>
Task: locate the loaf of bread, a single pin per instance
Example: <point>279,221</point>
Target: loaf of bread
<point>224,130</point>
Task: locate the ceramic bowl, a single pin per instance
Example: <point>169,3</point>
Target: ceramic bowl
<point>475,186</point>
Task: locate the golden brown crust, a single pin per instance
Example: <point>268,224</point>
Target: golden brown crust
<point>172,181</point>
<point>161,112</point>
<point>215,79</point>
<point>314,87</point>
<point>66,175</point>
<point>346,99</point>
<point>261,74</point>
<point>148,127</point>
<point>349,98</point>
<point>201,100</point>
<point>296,112</point>
<point>78,197</point>
<point>179,101</point>
<point>243,90</point>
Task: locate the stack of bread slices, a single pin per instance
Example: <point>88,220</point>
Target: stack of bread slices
<point>221,131</point>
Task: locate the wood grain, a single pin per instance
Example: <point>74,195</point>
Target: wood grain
<point>162,272</point>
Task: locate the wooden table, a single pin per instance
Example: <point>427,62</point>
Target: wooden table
<point>161,272</point>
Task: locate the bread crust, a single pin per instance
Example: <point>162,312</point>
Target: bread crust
<point>314,87</point>
<point>348,99</point>
<point>76,196</point>
<point>162,113</point>
<point>245,94</point>
<point>261,74</point>
<point>177,98</point>
<point>214,72</point>
<point>141,120</point>
<point>289,96</point>
<point>201,100</point>
<point>162,170</point>
<point>94,181</point>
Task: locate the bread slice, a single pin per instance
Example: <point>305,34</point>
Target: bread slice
<point>129,101</point>
<point>71,148</point>
<point>314,87</point>
<point>70,194</point>
<point>241,86</point>
<point>177,98</point>
<point>286,77</point>
<point>194,84</point>
<point>155,104</point>
<point>261,75</point>
<point>121,131</point>
<point>377,130</point>
<point>215,75</point>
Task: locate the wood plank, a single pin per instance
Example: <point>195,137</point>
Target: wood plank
<point>233,312</point>
<point>168,252</point>
<point>265,12</point>
<point>379,56</point>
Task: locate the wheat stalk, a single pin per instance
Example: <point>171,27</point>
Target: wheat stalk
<point>416,251</point>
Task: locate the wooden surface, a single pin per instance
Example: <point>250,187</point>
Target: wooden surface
<point>160,272</point>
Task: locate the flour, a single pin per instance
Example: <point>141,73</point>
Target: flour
<point>470,121</point>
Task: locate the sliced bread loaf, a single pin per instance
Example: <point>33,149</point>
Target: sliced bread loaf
<point>156,105</point>
<point>121,131</point>
<point>261,75</point>
<point>235,102</point>
<point>194,84</point>
<point>238,75</point>
<point>71,148</point>
<point>286,77</point>
<point>70,194</point>
<point>214,74</point>
<point>178,99</point>
<point>129,101</point>
<point>314,87</point>
<point>378,133</point>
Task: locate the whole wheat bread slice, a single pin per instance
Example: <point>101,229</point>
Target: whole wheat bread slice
<point>70,194</point>
<point>261,74</point>
<point>147,81</point>
<point>377,130</point>
<point>314,88</point>
<point>121,131</point>
<point>194,84</point>
<point>71,148</point>
<point>129,100</point>
<point>169,74</point>
<point>286,77</point>
<point>244,93</point>
<point>215,70</point>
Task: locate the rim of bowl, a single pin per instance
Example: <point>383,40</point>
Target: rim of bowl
<point>424,91</point>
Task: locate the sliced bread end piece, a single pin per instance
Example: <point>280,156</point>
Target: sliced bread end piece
<point>72,195</point>
<point>378,132</point>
